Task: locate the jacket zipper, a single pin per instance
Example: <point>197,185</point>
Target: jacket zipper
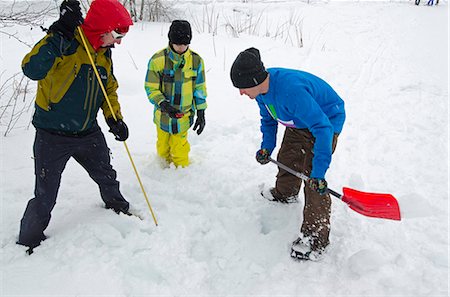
<point>92,92</point>
<point>88,101</point>
<point>66,80</point>
<point>88,79</point>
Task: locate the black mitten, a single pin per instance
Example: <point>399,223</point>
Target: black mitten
<point>200,122</point>
<point>170,110</point>
<point>70,17</point>
<point>118,128</point>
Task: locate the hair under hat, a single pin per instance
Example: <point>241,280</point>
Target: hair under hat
<point>180,32</point>
<point>248,70</point>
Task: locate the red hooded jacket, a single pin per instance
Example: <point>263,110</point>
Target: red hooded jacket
<point>105,16</point>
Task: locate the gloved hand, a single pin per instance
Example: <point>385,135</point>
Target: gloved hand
<point>170,110</point>
<point>118,128</point>
<point>70,17</point>
<point>318,184</point>
<point>262,156</point>
<point>200,122</point>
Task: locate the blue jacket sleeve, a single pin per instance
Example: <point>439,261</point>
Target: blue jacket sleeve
<point>307,109</point>
<point>269,128</point>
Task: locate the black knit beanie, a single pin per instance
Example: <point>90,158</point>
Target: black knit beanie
<point>180,32</point>
<point>248,70</point>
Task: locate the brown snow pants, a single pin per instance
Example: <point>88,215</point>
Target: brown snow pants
<point>296,151</point>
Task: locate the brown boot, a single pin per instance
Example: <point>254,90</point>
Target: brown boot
<point>273,195</point>
<point>301,250</point>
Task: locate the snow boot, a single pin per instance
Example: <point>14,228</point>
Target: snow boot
<point>123,210</point>
<point>127,211</point>
<point>273,195</point>
<point>31,247</point>
<point>301,250</point>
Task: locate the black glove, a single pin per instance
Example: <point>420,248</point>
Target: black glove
<point>200,122</point>
<point>262,156</point>
<point>118,128</point>
<point>70,17</point>
<point>170,110</point>
<point>318,184</point>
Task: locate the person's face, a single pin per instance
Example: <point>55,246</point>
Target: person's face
<point>180,48</point>
<point>111,38</point>
<point>250,92</point>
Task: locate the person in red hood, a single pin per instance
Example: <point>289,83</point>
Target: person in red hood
<point>68,99</point>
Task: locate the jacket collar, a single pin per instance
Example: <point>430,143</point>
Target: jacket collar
<point>176,57</point>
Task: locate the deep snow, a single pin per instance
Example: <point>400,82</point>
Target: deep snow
<point>216,236</point>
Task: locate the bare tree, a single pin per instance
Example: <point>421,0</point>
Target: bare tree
<point>18,101</point>
<point>15,96</point>
<point>131,6</point>
<point>24,14</point>
<point>156,11</point>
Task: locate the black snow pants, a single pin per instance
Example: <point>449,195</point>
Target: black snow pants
<point>51,153</point>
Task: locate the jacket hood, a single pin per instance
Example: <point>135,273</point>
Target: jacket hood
<point>105,16</point>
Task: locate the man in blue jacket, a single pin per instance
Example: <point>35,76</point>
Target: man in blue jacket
<point>313,114</point>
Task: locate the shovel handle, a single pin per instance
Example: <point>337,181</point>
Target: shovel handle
<point>301,176</point>
<point>383,206</point>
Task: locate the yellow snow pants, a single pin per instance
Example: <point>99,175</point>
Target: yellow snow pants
<point>173,147</point>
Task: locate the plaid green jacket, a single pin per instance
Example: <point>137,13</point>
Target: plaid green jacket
<point>180,80</point>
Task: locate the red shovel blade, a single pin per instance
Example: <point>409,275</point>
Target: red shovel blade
<point>372,204</point>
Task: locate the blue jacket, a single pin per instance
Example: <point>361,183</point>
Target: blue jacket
<point>301,100</point>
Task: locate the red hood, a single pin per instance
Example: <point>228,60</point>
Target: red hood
<point>105,16</point>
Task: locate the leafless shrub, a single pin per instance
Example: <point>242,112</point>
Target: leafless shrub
<point>24,14</point>
<point>143,10</point>
<point>209,21</point>
<point>131,6</point>
<point>290,31</point>
<point>156,11</point>
<point>15,97</point>
<point>18,101</point>
<point>243,22</point>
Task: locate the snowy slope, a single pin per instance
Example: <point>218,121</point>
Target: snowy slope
<point>216,236</point>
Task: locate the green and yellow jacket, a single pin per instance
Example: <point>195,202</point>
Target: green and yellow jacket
<point>180,80</point>
<point>69,96</point>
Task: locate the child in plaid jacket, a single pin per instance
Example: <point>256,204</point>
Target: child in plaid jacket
<point>175,85</point>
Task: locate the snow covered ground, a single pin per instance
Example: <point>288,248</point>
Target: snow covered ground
<point>216,236</point>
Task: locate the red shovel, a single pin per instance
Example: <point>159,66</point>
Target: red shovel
<point>383,206</point>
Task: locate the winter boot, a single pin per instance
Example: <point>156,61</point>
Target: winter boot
<point>29,251</point>
<point>119,210</point>
<point>301,250</point>
<point>127,211</point>
<point>273,195</point>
